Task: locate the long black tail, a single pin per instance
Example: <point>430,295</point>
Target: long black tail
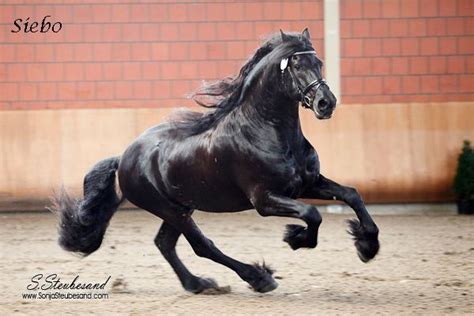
<point>82,222</point>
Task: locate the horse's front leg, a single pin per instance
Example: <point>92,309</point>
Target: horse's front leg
<point>268,204</point>
<point>364,230</point>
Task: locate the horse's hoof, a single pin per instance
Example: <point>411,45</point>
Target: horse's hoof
<point>297,237</point>
<point>200,285</point>
<point>367,243</point>
<point>265,282</point>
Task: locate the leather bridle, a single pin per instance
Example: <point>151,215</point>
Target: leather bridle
<point>306,101</point>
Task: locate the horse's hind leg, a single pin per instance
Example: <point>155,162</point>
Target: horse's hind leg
<point>166,240</point>
<point>259,277</point>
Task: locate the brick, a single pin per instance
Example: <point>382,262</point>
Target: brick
<point>448,83</point>
<point>380,66</point>
<point>410,46</point>
<point>161,89</point>
<point>123,90</point>
<point>85,90</point>
<point>150,32</point>
<point>273,11</point>
<point>177,12</point>
<point>216,12</point>
<point>206,31</point>
<point>466,45</point>
<point>469,26</point>
<point>151,70</point>
<point>131,32</point>
<point>169,32</point>
<point>55,72</point>
<point>179,51</point>
<point>16,72</point>
<point>352,85</point>
<point>111,32</point>
<point>470,64</point>
<point>112,71</point>
<point>139,13</point>
<point>160,51</point>
<point>24,53</point>
<point>197,12</point>
<point>398,27</point>
<point>371,9</point>
<point>82,13</point>
<point>436,27</point>
<point>351,9</point>
<point>399,65</point>
<point>207,70</point>
<point>391,46</point>
<point>447,45</point>
<point>454,26</point>
<point>346,30</point>
<point>373,85</point>
<point>361,66</point>
<point>131,71</point>
<point>94,71</point>
<point>410,84</point>
<point>82,52</point>
<point>409,8</point>
<point>429,46</point>
<point>347,68</point>
<point>104,90</point>
<point>188,70</point>
<point>180,89</point>
<point>63,52</point>
<point>141,51</point>
<point>158,11</point>
<point>429,84</point>
<point>447,7</point>
<point>390,8</point>
<point>466,83</point>
<point>35,72</point>
<point>379,28</point>
<point>74,33</point>
<point>437,64</point>
<point>198,50</point>
<point>235,50</point>
<point>120,51</point>
<point>418,65</point>
<point>311,10</point>
<point>46,91</point>
<point>101,13</point>
<point>102,52</point>
<point>8,91</point>
<point>142,89</point>
<point>226,31</point>
<point>170,70</point>
<point>360,28</point>
<point>89,32</point>
<point>74,71</point>
<point>465,7</point>
<point>417,27</point>
<point>66,90</point>
<point>290,11</point>
<point>428,8</point>
<point>456,64</point>
<point>120,13</point>
<point>28,91</point>
<point>372,47</point>
<point>216,50</point>
<point>44,52</point>
<point>352,48</point>
<point>234,11</point>
<point>391,85</point>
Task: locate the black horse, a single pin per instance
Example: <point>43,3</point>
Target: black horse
<point>249,152</point>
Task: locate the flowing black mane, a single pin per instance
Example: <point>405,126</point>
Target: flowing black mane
<point>225,95</point>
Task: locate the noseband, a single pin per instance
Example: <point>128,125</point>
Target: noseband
<point>317,83</point>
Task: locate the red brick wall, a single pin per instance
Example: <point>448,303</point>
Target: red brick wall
<point>118,54</point>
<point>407,50</point>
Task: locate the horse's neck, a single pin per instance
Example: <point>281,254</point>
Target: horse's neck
<point>273,113</point>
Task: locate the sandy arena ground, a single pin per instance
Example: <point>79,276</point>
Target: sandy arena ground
<point>426,266</point>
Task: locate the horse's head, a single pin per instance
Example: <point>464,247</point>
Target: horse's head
<point>302,77</point>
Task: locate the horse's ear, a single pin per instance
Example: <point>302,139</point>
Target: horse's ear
<point>284,37</point>
<point>306,34</point>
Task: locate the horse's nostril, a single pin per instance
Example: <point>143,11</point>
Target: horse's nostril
<point>323,104</point>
